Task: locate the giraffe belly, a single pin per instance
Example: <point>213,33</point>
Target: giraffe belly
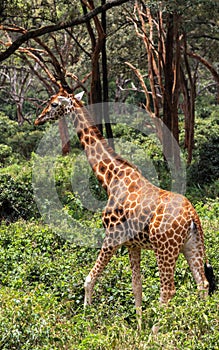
<point>138,236</point>
<point>139,241</point>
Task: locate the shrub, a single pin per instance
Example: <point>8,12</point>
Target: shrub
<point>21,139</point>
<point>5,155</point>
<point>41,296</point>
<point>205,167</point>
<point>16,194</point>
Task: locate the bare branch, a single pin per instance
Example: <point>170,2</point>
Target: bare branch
<point>147,95</point>
<point>205,63</point>
<point>77,42</point>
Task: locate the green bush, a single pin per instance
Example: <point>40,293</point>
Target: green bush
<point>205,167</point>
<point>16,193</point>
<point>41,295</point>
<point>22,140</point>
<point>25,140</point>
<point>8,128</point>
<point>5,155</point>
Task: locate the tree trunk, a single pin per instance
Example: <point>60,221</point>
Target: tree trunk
<point>171,92</point>
<point>64,135</point>
<point>168,86</point>
<point>189,92</point>
<point>108,128</point>
<point>97,44</point>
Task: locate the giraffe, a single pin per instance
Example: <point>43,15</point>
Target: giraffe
<point>138,214</point>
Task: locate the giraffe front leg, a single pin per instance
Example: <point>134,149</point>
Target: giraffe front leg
<point>88,288</point>
<point>135,259</point>
<point>103,258</point>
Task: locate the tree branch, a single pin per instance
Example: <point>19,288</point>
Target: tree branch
<point>205,63</point>
<point>53,28</point>
<point>144,87</point>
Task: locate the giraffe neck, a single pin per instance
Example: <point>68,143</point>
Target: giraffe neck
<point>107,165</point>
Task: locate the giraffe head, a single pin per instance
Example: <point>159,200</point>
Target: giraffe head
<point>59,105</point>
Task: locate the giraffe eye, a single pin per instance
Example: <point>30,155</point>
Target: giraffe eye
<point>54,104</point>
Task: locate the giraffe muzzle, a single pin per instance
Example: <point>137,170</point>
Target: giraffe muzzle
<point>37,122</point>
<point>40,120</point>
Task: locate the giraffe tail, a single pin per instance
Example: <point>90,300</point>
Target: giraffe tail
<point>209,274</point>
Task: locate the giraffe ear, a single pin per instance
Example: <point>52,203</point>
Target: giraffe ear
<point>79,96</point>
<point>64,100</point>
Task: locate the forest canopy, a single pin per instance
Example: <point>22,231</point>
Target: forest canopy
<point>161,55</point>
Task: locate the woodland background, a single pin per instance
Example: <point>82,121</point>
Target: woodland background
<point>160,55</point>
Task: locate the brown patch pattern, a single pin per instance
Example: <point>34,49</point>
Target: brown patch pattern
<point>138,214</point>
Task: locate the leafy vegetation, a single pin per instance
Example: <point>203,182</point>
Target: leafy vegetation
<point>42,274</point>
<point>205,169</point>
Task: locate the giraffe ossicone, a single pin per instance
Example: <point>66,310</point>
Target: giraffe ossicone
<point>138,214</point>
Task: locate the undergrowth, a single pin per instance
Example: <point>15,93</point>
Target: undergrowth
<point>41,295</point>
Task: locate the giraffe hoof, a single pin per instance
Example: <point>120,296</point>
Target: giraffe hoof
<point>155,329</point>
